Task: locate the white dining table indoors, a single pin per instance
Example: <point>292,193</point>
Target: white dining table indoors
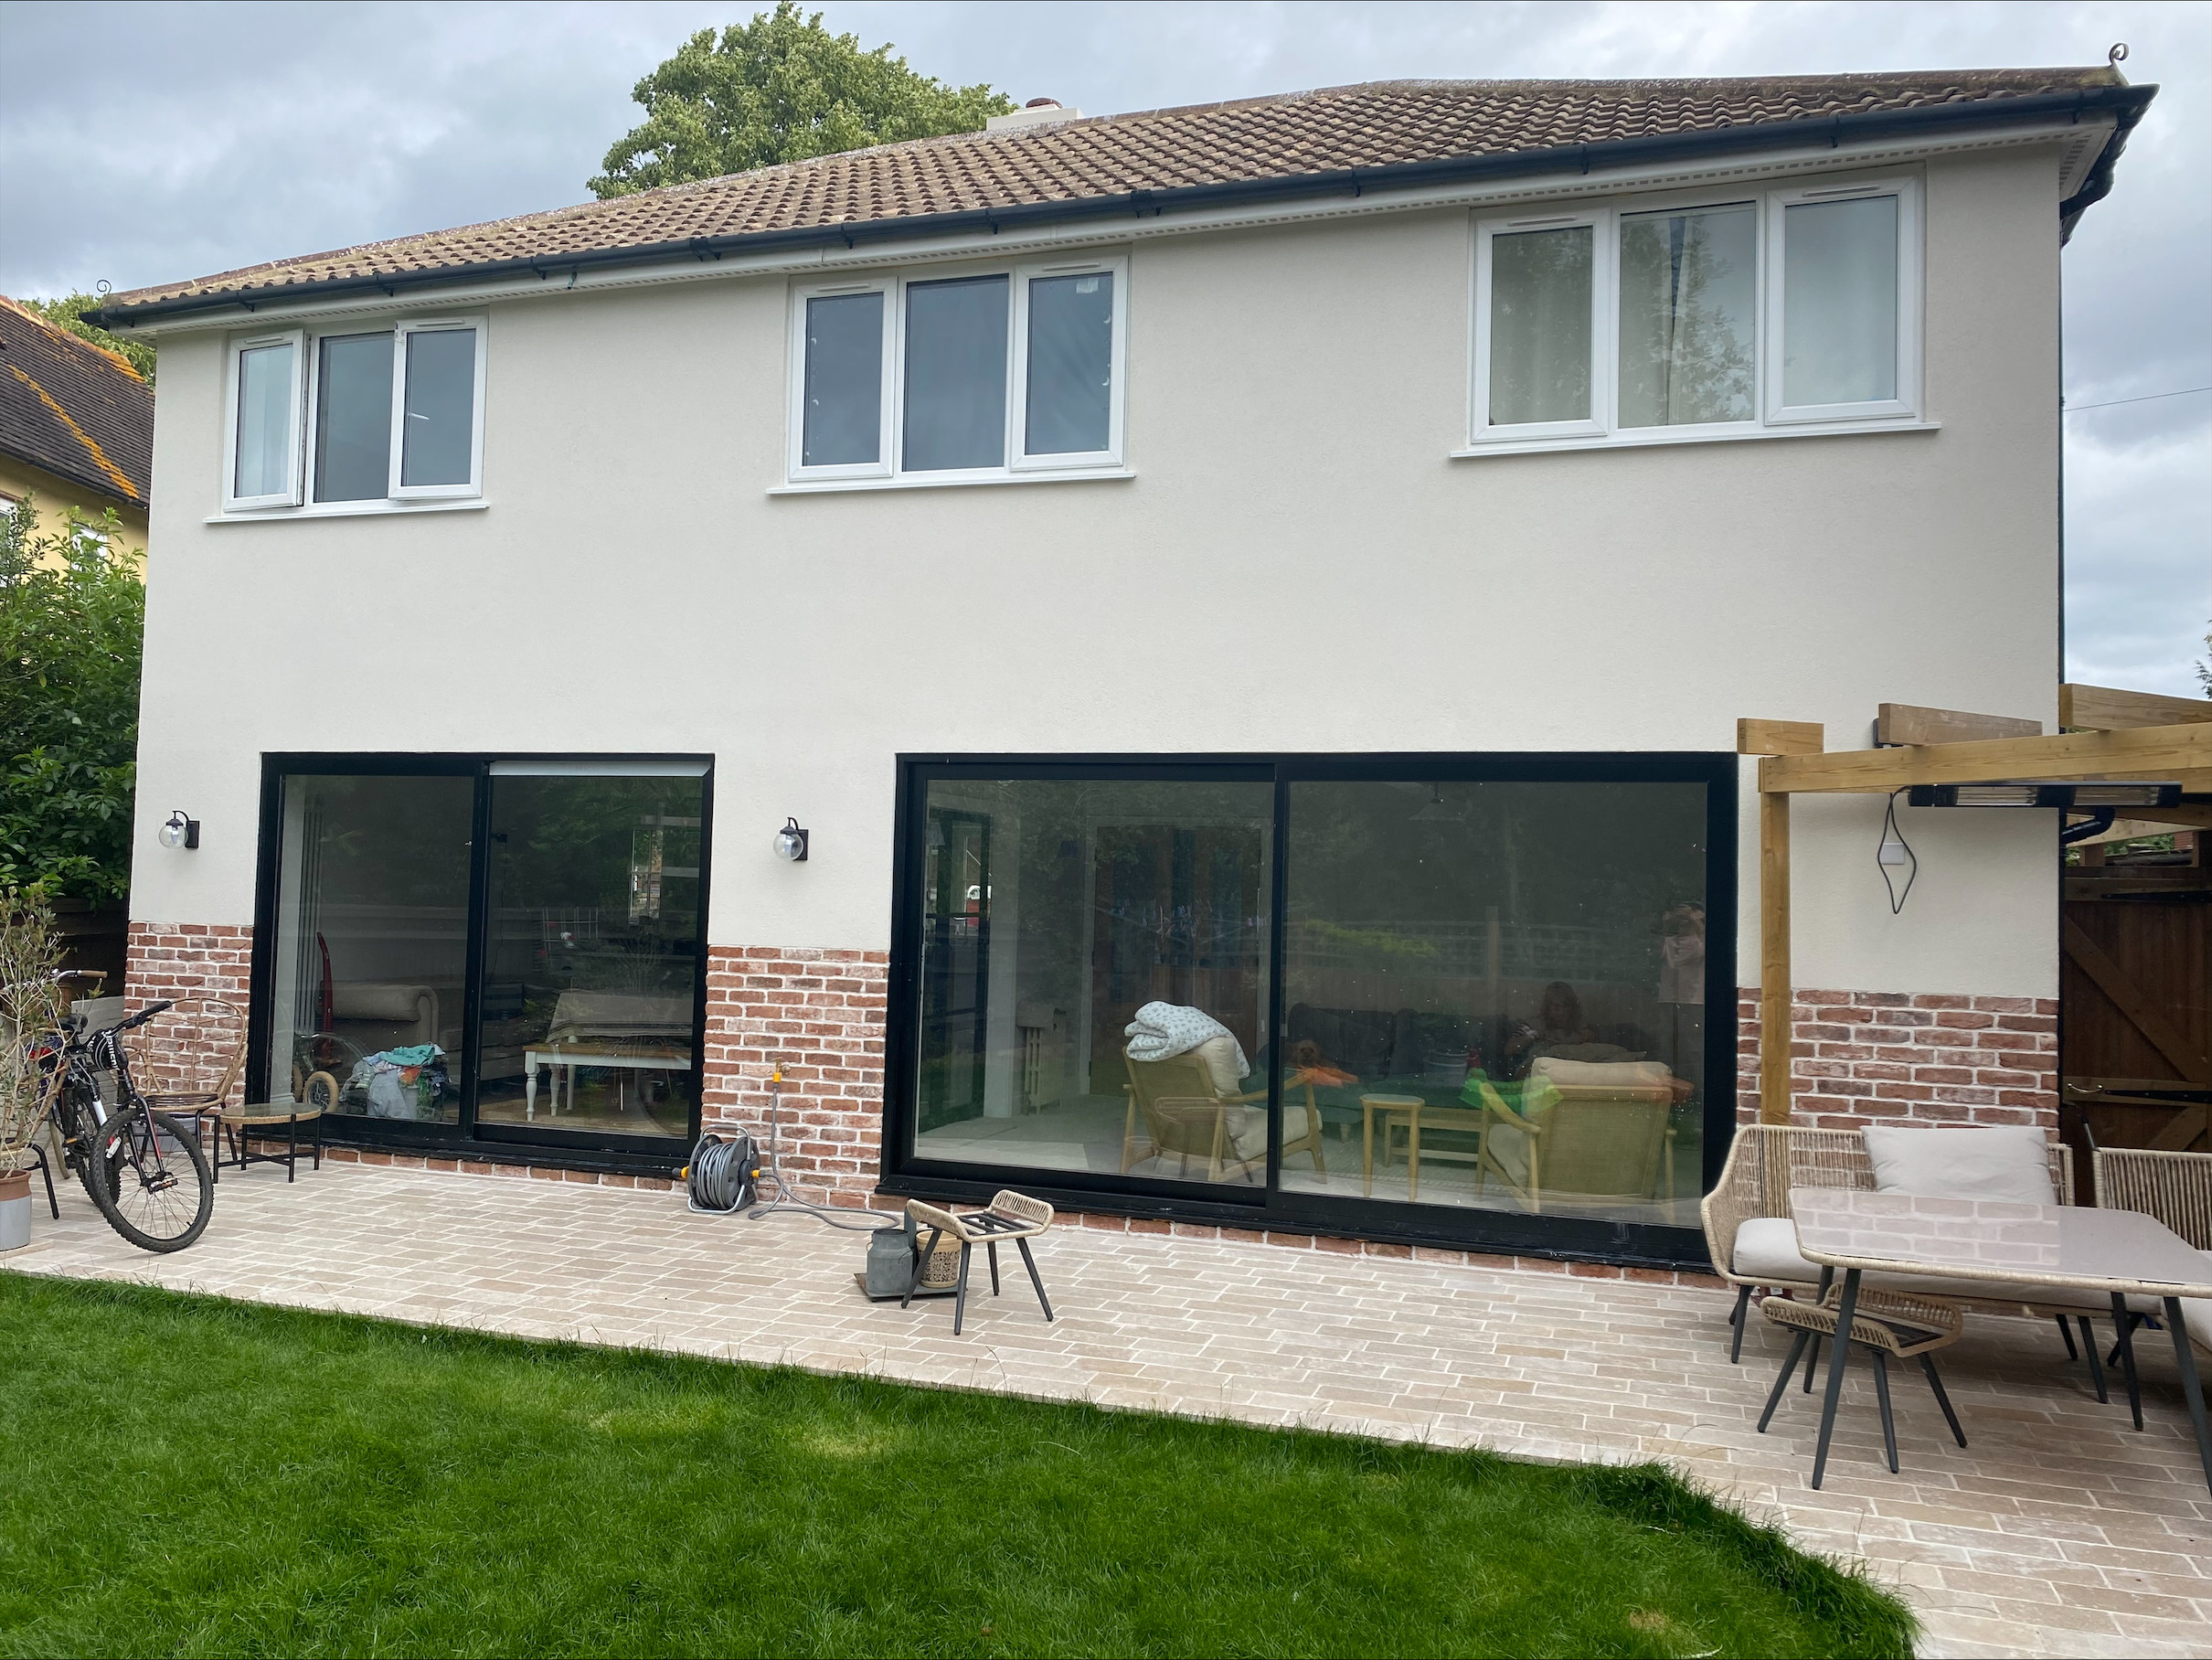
<point>2116,1254</point>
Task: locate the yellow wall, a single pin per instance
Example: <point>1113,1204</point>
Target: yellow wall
<point>58,495</point>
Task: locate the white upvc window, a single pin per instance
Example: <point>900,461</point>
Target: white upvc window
<point>1677,318</point>
<point>261,429</point>
<point>371,417</point>
<point>958,375</point>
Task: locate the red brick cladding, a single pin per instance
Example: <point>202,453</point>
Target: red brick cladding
<point>819,1015</point>
<point>1937,1057</point>
<point>184,960</point>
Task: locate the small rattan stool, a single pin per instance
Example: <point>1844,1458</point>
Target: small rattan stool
<point>1012,1216</point>
<point>1888,1325</point>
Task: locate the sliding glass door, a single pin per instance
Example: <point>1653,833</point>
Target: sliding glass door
<point>480,949</point>
<point>1456,997</point>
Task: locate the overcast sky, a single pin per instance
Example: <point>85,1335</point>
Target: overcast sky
<point>144,142</point>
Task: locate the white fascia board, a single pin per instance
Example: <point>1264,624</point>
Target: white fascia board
<point>2088,136</point>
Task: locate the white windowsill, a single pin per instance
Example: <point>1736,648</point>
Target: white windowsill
<point>923,480</point>
<point>267,516</point>
<point>1645,437</point>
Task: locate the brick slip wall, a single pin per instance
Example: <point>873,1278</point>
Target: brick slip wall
<point>1933,1057</point>
<point>187,961</point>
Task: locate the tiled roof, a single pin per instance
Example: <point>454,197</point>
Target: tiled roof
<point>73,409</point>
<point>1380,124</point>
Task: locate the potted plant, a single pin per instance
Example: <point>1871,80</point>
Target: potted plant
<point>30,1003</point>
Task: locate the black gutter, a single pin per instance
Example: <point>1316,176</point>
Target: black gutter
<point>2126,103</point>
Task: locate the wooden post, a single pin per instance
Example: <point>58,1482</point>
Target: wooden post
<point>1774,1033</point>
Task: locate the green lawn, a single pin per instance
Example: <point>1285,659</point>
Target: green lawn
<point>184,1476</point>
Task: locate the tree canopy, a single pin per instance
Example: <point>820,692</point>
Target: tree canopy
<point>69,313</point>
<point>780,89</point>
<point>72,613</point>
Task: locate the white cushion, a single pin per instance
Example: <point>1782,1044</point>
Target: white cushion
<point>1766,1247</point>
<point>1219,1054</point>
<point>1637,1074</point>
<point>1247,1128</point>
<point>2007,1162</point>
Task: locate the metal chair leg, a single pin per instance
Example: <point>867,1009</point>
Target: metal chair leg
<point>991,1248</point>
<point>2123,1323</point>
<point>1797,1348</point>
<point>2088,1342</point>
<point>1935,1382</point>
<point>1812,1366</point>
<point>1881,1395</point>
<point>2067,1332</point>
<point>920,1257</point>
<point>1839,1358</point>
<point>2191,1389</point>
<point>47,1171</point>
<point>1739,1319</point>
<point>1029,1262</point>
<point>960,1292</point>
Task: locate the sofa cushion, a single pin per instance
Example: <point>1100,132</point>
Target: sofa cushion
<point>1220,1054</point>
<point>1617,1074</point>
<point>2007,1162</point>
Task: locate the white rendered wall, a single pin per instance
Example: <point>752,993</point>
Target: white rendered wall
<point>1298,566</point>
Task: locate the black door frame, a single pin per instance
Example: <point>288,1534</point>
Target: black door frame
<point>1268,1207</point>
<point>502,1144</point>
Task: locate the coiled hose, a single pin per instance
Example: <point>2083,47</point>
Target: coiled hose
<point>722,1172</point>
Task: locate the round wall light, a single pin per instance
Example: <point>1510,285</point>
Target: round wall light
<point>791,842</point>
<point>179,831</point>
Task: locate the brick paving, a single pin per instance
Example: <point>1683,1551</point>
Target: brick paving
<point>2059,1531</point>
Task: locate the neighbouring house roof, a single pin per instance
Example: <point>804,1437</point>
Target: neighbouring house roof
<point>73,408</point>
<point>1377,135</point>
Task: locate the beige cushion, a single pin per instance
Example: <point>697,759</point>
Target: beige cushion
<point>2007,1162</point>
<point>1766,1252</point>
<point>1636,1074</point>
<point>1247,1128</point>
<point>1219,1054</point>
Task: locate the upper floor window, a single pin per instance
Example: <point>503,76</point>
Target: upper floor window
<point>348,415</point>
<point>1781,308</point>
<point>959,378</point>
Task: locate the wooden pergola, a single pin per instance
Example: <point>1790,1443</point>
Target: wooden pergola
<point>2113,735</point>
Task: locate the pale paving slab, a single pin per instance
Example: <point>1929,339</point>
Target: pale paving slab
<point>2059,1531</point>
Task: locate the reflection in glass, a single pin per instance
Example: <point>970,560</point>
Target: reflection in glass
<point>353,418</point>
<point>1686,300</point>
<point>1539,325</point>
<point>441,407</point>
<point>1839,304</point>
<point>591,958</point>
<point>843,418</point>
<point>956,375</point>
<point>1057,915</point>
<point>1071,364</point>
<point>1493,993</point>
<point>265,421</point>
<point>372,943</point>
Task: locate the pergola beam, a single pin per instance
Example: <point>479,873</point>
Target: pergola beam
<point>2141,752</point>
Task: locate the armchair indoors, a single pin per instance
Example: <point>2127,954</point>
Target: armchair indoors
<point>1587,1129</point>
<point>1186,1112</point>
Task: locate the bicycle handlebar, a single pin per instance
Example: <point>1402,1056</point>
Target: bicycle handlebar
<point>143,1016</point>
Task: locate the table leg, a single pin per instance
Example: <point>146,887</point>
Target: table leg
<point>529,1092</point>
<point>1413,1155</point>
<point>1827,1278</point>
<point>1366,1150</point>
<point>2089,1344</point>
<point>1840,1347</point>
<point>2123,1323</point>
<point>2192,1391</point>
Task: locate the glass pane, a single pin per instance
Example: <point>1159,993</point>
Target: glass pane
<point>372,943</point>
<point>1539,325</point>
<point>1839,307</point>
<point>1071,364</point>
<point>592,961</point>
<point>441,407</point>
<point>265,421</point>
<point>843,381</point>
<point>353,421</point>
<point>956,375</point>
<point>1687,299</point>
<point>1094,977</point>
<point>1494,996</point>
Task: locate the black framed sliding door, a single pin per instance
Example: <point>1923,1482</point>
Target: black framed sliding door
<point>1452,997</point>
<point>477,950</point>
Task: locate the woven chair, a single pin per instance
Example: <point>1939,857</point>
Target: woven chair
<point>2174,1189</point>
<point>1889,1326</point>
<point>1011,1215</point>
<point>1765,1161</point>
<point>188,1059</point>
<point>1184,1113</point>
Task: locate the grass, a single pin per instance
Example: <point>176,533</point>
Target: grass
<point>186,1475</point>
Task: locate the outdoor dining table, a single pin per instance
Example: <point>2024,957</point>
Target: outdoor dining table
<point>2117,1254</point>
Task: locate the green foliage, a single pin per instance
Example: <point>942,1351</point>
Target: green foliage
<point>29,1002</point>
<point>2204,669</point>
<point>394,1490</point>
<point>780,89</point>
<point>69,313</point>
<point>72,613</point>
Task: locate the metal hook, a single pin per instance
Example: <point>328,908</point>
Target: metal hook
<point>2118,55</point>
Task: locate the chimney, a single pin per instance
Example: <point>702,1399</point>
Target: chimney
<point>1033,113</point>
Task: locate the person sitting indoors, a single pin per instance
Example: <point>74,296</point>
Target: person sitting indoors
<point>1560,1026</point>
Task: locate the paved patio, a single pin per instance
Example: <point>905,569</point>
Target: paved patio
<point>2058,1532</point>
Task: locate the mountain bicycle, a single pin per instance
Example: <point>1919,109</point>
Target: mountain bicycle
<point>144,1170</point>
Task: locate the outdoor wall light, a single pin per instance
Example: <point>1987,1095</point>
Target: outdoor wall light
<point>2028,793</point>
<point>791,842</point>
<point>180,831</point>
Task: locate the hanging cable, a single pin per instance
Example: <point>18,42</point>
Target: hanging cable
<point>1894,851</point>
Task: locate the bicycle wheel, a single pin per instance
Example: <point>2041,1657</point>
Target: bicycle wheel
<point>146,1173</point>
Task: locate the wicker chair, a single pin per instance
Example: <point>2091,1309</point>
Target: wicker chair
<point>2174,1189</point>
<point>1184,1113</point>
<point>1765,1161</point>
<point>188,1059</point>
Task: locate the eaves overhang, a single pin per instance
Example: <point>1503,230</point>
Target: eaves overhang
<point>2123,106</point>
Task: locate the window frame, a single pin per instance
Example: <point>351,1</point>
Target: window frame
<point>314,418</point>
<point>1775,295</point>
<point>401,329</point>
<point>1015,465</point>
<point>295,431</point>
<point>1769,418</point>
